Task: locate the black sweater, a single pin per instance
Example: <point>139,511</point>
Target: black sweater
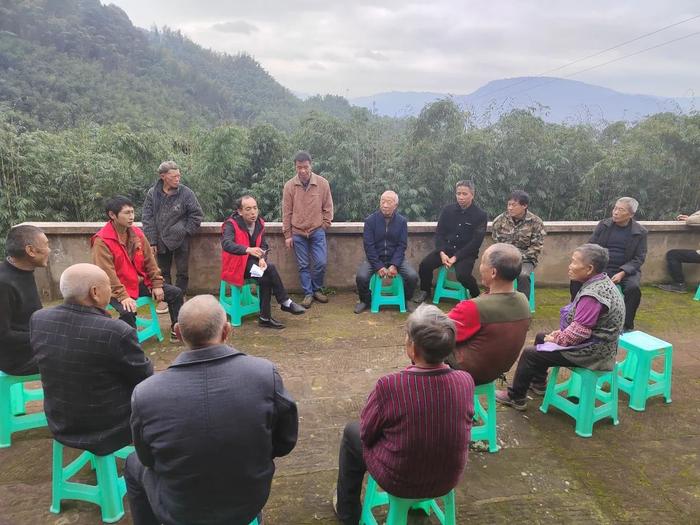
<point>460,231</point>
<point>19,299</point>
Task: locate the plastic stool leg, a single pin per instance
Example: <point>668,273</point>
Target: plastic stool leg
<point>110,495</point>
<point>56,478</point>
<point>586,404</point>
<point>668,372</point>
<point>640,387</point>
<point>17,399</point>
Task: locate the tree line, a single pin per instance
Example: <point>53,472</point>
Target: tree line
<point>571,172</point>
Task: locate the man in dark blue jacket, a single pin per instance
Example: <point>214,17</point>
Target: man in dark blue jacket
<point>385,238</point>
<point>207,429</point>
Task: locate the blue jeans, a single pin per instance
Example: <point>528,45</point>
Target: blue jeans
<point>311,253</point>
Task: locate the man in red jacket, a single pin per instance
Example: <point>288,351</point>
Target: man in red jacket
<point>123,252</point>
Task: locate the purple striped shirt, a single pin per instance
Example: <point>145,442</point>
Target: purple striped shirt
<point>415,430</point>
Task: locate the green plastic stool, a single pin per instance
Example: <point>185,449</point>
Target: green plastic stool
<point>697,294</point>
<point>532,291</point>
<point>487,416</point>
<point>399,507</point>
<point>586,386</point>
<point>446,288</point>
<point>146,327</point>
<point>13,397</point>
<point>240,301</point>
<point>637,377</point>
<point>390,295</point>
<point>109,491</point>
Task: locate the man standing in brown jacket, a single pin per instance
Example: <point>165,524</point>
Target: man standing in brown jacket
<point>307,212</point>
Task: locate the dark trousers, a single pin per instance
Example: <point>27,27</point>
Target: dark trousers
<point>463,269</point>
<point>524,279</point>
<point>351,472</point>
<point>364,275</point>
<point>142,512</point>
<point>532,368</point>
<point>630,291</point>
<point>173,296</point>
<point>675,260</point>
<point>270,283</point>
<point>181,257</point>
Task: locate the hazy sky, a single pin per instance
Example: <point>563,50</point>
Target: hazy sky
<point>359,48</point>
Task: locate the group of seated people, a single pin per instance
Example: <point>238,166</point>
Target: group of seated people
<point>192,464</point>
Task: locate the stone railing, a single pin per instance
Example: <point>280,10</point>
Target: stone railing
<point>70,243</point>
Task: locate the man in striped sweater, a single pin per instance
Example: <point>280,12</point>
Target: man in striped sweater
<point>414,431</point>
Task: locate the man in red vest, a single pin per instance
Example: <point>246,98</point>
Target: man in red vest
<point>243,245</point>
<point>123,252</point>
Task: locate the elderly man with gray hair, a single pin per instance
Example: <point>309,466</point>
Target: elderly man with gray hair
<point>207,429</point>
<point>626,242</point>
<point>89,364</point>
<point>171,215</point>
<point>385,238</point>
<point>415,428</point>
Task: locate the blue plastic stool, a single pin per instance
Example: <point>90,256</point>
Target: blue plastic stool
<point>446,288</point>
<point>586,386</point>
<point>487,416</point>
<point>399,507</point>
<point>109,491</point>
<point>637,377</point>
<point>240,301</point>
<point>697,294</point>
<point>146,327</point>
<point>390,295</point>
<point>13,397</point>
<point>532,291</point>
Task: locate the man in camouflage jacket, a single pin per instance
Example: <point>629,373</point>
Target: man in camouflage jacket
<point>524,230</point>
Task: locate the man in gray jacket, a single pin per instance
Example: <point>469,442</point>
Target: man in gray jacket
<point>171,215</point>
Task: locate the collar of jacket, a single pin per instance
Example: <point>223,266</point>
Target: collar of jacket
<point>635,229</point>
<point>158,188</point>
<point>313,180</point>
<point>94,310</point>
<point>202,355</point>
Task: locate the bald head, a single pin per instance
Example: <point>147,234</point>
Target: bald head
<point>85,284</point>
<point>201,322</point>
<point>388,203</point>
<point>505,259</point>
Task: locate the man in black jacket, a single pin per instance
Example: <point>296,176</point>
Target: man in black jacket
<point>89,364</point>
<point>27,248</point>
<point>207,429</point>
<point>626,241</point>
<point>460,231</point>
<point>171,215</point>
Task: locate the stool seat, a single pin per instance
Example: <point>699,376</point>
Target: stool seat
<point>637,378</point>
<point>387,295</point>
<point>586,385</point>
<point>399,507</point>
<point>13,397</point>
<point>239,301</point>
<point>486,431</point>
<point>109,491</point>
<point>447,288</point>
<point>146,327</point>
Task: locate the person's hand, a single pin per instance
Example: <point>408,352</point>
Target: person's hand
<point>382,272</point>
<point>618,277</point>
<point>255,251</point>
<point>682,217</point>
<point>154,250</point>
<point>392,271</point>
<point>129,304</point>
<point>289,243</point>
<point>452,260</point>
<point>158,294</point>
<point>262,264</point>
<point>445,260</point>
<point>549,338</point>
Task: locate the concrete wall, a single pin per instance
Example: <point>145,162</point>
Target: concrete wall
<point>70,243</point>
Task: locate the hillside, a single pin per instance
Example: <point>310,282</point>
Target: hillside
<point>559,101</point>
<point>66,62</point>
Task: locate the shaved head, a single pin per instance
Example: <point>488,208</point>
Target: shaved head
<point>201,321</point>
<point>78,280</point>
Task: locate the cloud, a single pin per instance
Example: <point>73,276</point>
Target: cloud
<point>235,26</point>
<point>372,55</point>
<point>315,66</point>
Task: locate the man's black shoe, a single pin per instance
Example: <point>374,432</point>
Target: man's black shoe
<point>270,323</point>
<point>360,307</point>
<point>293,308</point>
<point>420,296</point>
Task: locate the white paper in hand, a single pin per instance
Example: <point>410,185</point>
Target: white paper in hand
<point>256,271</point>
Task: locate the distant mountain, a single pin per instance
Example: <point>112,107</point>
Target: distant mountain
<point>64,62</point>
<point>554,99</point>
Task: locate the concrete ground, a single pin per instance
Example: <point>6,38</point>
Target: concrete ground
<point>646,470</point>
